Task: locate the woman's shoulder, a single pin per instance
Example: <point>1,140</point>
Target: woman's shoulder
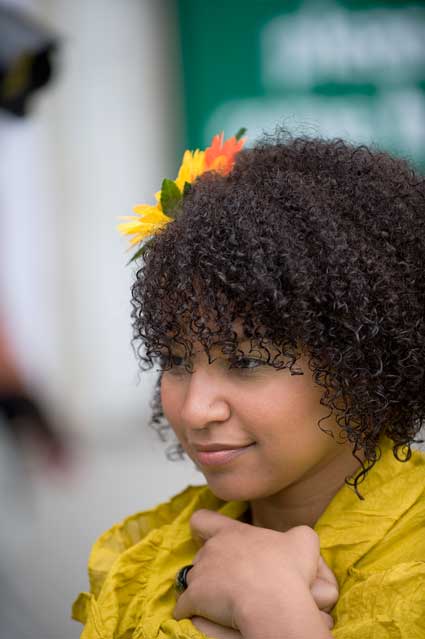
<point>376,548</point>
<point>121,540</point>
<point>133,529</point>
<point>382,528</point>
<point>142,551</point>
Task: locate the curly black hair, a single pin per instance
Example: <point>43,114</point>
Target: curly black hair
<point>308,242</point>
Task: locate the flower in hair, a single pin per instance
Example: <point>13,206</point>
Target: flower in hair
<point>149,219</point>
<point>192,166</point>
<point>220,156</point>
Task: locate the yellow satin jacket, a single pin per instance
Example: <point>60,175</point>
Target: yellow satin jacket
<point>375,547</point>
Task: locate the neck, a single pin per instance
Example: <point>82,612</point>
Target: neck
<point>303,502</point>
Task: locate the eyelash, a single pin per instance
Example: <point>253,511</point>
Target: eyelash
<point>237,364</point>
<point>243,365</point>
<point>168,362</point>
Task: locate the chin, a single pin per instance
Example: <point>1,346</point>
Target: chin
<point>233,491</point>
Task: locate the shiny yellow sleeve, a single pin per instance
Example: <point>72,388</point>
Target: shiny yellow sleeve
<point>132,569</point>
<point>383,605</point>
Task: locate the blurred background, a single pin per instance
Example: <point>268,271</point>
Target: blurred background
<point>98,100</point>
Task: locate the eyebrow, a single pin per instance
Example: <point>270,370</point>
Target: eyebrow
<point>246,347</point>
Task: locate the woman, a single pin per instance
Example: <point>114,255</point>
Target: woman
<point>282,297</point>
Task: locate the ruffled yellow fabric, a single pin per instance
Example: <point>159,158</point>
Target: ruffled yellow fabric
<point>375,547</point>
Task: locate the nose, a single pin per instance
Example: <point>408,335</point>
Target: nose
<point>206,402</point>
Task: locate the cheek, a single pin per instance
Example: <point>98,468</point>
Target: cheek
<point>289,410</point>
<point>278,401</point>
<point>173,392</point>
<point>171,400</point>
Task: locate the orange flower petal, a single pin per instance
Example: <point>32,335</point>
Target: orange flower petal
<point>148,219</point>
<point>220,156</point>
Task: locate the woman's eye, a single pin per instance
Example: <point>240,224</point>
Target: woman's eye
<point>171,362</point>
<point>247,363</point>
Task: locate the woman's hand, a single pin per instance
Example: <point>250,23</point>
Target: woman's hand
<point>324,590</point>
<point>214,630</point>
<point>245,573</point>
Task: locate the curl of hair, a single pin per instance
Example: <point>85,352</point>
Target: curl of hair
<point>310,244</point>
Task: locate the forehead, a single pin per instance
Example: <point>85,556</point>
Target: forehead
<point>207,334</point>
<point>229,335</point>
<point>276,354</point>
<point>196,347</point>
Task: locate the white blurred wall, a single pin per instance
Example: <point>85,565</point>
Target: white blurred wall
<point>112,140</point>
<point>99,139</point>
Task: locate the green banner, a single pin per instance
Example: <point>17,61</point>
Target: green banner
<point>336,69</point>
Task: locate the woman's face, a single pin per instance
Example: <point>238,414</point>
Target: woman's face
<point>251,429</point>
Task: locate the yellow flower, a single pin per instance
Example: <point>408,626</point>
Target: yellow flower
<point>151,218</point>
<point>147,221</point>
<point>193,164</point>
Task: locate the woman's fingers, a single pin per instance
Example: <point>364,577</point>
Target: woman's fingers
<point>325,594</point>
<point>324,589</point>
<point>208,523</point>
<point>328,620</point>
<point>324,572</point>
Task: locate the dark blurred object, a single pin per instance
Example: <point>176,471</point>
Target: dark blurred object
<point>26,49</point>
<point>24,420</point>
<point>20,412</point>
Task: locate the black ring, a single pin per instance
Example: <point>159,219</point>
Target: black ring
<point>181,583</point>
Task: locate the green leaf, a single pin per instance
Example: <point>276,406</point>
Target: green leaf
<point>186,188</point>
<point>240,133</point>
<point>170,197</point>
<point>141,251</point>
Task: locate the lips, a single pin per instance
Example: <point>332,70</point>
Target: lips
<point>218,454</point>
